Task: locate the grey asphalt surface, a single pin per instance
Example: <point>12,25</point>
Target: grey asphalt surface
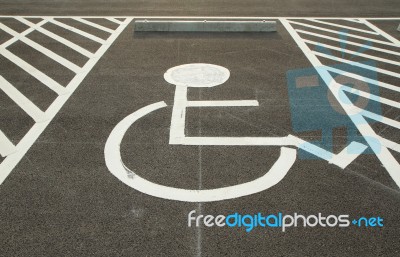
<point>338,8</point>
<point>61,200</point>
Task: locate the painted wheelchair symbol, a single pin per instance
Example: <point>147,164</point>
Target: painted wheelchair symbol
<point>208,75</point>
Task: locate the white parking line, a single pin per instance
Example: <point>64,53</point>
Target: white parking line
<point>95,25</point>
<point>343,33</point>
<point>61,60</point>
<point>56,37</point>
<point>348,42</point>
<point>30,108</point>
<point>343,27</point>
<point>78,31</point>
<point>361,65</point>
<point>46,80</point>
<point>367,80</point>
<point>29,139</point>
<point>112,19</point>
<point>6,146</point>
<point>381,32</point>
<point>354,53</point>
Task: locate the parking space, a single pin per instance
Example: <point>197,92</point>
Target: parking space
<point>103,154</point>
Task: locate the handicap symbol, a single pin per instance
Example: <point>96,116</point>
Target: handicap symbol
<point>209,75</point>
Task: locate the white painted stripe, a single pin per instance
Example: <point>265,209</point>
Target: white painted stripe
<point>26,32</point>
<point>61,60</point>
<point>390,144</point>
<point>383,154</point>
<point>77,31</point>
<point>342,160</point>
<point>114,20</point>
<point>354,53</point>
<point>46,80</point>
<point>379,118</point>
<point>349,42</point>
<point>381,32</point>
<point>226,103</point>
<point>6,146</point>
<point>60,39</point>
<point>347,156</point>
<point>344,27</point>
<point>367,80</point>
<point>95,25</point>
<point>342,33</point>
<point>22,101</point>
<point>353,20</point>
<point>361,65</point>
<point>29,139</point>
<point>371,96</point>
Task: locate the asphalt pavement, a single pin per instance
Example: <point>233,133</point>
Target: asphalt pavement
<point>61,199</point>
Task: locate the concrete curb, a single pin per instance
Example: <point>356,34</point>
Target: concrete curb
<point>203,26</point>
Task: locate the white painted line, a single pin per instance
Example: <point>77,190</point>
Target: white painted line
<point>114,20</point>
<point>61,60</point>
<point>46,80</point>
<point>383,154</point>
<point>26,32</point>
<point>6,146</point>
<point>381,32</point>
<point>95,25</point>
<point>371,96</point>
<point>353,20</point>
<point>29,139</point>
<point>347,156</point>
<point>390,144</point>
<point>365,79</point>
<point>380,118</point>
<point>343,33</point>
<point>226,103</point>
<point>342,160</point>
<point>60,39</point>
<point>116,166</point>
<point>349,42</point>
<point>22,101</point>
<point>354,53</point>
<point>344,27</point>
<point>78,31</point>
<point>361,65</point>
